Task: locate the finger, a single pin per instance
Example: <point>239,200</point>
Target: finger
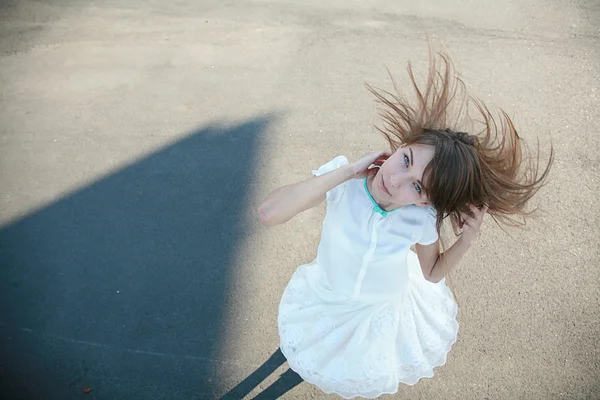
<point>383,155</point>
<point>383,159</point>
<point>466,218</point>
<point>456,221</point>
<point>467,215</point>
<point>476,211</point>
<point>473,222</point>
<point>480,212</point>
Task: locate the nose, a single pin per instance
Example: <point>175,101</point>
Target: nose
<point>396,180</point>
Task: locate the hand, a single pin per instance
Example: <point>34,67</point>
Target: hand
<point>360,167</point>
<point>471,222</point>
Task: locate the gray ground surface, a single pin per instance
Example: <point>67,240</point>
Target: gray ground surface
<point>137,138</point>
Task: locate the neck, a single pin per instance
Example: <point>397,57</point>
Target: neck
<point>385,205</point>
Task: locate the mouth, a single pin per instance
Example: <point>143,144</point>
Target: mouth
<point>383,187</point>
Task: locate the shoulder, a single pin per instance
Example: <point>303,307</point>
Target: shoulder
<point>423,214</point>
<point>331,165</point>
<point>427,216</point>
<point>413,217</point>
<point>431,213</point>
<point>419,221</point>
<point>337,192</point>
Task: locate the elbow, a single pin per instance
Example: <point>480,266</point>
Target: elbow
<point>427,276</point>
<point>433,279</point>
<point>431,276</point>
<point>265,215</point>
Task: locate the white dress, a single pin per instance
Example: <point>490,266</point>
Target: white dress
<point>361,317</point>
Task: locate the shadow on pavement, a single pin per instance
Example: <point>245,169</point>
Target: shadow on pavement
<point>123,285</point>
<point>286,381</point>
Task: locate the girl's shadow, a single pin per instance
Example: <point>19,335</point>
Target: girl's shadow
<point>287,381</point>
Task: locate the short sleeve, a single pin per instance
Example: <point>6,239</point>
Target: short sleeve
<point>336,193</point>
<point>430,233</point>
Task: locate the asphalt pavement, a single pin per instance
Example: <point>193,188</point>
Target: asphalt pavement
<point>137,139</point>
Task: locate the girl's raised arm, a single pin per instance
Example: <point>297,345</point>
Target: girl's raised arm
<point>284,203</point>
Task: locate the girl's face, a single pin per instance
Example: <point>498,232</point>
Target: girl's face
<point>399,181</point>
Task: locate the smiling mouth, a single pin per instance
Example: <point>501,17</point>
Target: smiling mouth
<point>383,187</point>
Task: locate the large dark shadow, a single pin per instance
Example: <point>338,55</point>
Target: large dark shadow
<point>122,286</point>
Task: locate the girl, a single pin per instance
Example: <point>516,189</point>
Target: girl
<point>368,313</point>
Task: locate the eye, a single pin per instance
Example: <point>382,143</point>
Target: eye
<point>418,188</point>
<point>406,160</point>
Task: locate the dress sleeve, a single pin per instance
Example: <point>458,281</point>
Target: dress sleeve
<point>336,193</point>
<point>430,234</point>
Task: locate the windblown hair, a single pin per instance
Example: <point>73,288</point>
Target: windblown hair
<point>491,165</point>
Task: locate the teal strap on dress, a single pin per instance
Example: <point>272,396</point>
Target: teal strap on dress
<point>376,207</point>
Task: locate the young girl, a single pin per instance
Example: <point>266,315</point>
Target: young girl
<point>368,313</point>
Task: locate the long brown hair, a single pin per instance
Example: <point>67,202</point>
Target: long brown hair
<point>491,165</point>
